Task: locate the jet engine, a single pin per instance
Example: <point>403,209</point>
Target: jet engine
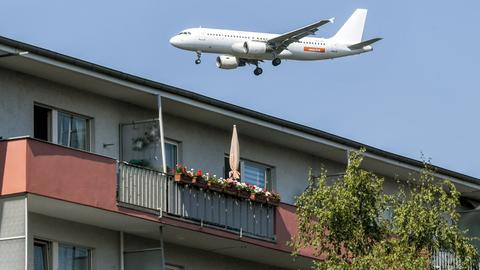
<point>239,48</point>
<point>254,47</point>
<point>227,62</point>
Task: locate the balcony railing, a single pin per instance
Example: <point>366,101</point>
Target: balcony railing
<point>142,188</point>
<point>154,191</point>
<point>446,261</point>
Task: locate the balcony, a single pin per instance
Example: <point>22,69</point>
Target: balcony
<point>32,166</point>
<point>142,188</point>
<point>88,188</point>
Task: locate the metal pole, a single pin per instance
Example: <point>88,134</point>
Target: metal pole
<point>26,232</point>
<point>348,157</point>
<point>122,258</point>
<point>162,247</point>
<point>162,139</point>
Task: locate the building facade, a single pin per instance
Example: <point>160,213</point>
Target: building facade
<point>82,183</point>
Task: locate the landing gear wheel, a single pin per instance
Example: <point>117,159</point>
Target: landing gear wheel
<point>257,71</point>
<point>198,61</point>
<point>276,62</point>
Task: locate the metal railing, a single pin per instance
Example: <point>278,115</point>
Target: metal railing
<point>150,190</point>
<point>141,187</point>
<point>442,260</point>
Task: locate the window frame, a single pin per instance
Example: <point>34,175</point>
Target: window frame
<point>53,125</point>
<point>177,154</point>
<point>269,171</point>
<point>48,258</point>
<point>87,127</point>
<point>89,250</point>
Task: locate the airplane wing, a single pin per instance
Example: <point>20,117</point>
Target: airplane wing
<point>281,42</point>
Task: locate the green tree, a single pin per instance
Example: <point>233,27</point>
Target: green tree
<point>352,224</point>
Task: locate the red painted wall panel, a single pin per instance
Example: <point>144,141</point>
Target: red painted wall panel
<point>71,175</point>
<point>12,166</point>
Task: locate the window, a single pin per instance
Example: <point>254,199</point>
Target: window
<point>73,258</point>
<point>171,154</point>
<point>41,255</point>
<point>73,131</point>
<point>61,127</point>
<point>42,123</point>
<point>253,173</point>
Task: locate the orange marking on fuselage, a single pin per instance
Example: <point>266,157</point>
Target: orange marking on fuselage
<point>313,49</point>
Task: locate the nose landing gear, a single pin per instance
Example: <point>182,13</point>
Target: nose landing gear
<point>198,60</point>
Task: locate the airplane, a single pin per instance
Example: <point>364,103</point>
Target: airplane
<point>238,48</point>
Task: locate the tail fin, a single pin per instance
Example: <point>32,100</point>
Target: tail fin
<point>352,31</point>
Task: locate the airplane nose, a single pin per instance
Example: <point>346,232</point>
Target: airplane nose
<point>175,41</point>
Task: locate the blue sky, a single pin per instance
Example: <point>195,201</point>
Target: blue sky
<point>418,92</point>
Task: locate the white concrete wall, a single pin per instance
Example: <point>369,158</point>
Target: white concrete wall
<point>19,92</point>
<point>12,233</point>
<point>104,243</point>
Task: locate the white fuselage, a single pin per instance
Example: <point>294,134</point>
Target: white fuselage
<point>223,41</point>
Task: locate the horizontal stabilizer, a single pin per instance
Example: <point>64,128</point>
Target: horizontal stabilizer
<point>363,43</point>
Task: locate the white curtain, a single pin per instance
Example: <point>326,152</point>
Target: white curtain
<point>73,258</point>
<point>72,131</point>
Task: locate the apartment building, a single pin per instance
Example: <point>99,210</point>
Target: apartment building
<point>82,182</point>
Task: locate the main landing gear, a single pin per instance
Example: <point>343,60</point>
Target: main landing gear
<point>276,62</point>
<point>258,70</point>
<point>198,60</point>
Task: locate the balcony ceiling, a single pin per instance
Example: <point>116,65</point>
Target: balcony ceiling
<point>148,229</point>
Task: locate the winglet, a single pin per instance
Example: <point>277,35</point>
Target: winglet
<point>332,20</point>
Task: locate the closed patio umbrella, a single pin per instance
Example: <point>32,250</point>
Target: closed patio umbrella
<point>234,158</point>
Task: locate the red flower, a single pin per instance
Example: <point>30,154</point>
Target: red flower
<point>199,173</point>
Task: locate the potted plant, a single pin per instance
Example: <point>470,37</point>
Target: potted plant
<point>200,180</point>
<point>215,184</point>
<point>230,187</point>
<point>273,198</point>
<point>244,190</point>
<point>258,195</point>
<point>182,175</point>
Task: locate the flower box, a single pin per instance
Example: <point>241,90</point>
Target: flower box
<point>183,178</point>
<point>215,186</point>
<point>230,189</point>
<point>200,182</point>
<point>244,194</point>
<point>258,197</point>
<point>273,201</point>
